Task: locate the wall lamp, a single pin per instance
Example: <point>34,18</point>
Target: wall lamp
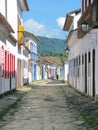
<point>84,26</point>
<point>67,50</point>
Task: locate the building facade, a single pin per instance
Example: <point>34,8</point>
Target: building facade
<point>22,6</point>
<point>31,42</point>
<point>49,67</point>
<point>83,70</point>
<point>9,48</point>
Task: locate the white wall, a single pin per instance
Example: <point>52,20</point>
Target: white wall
<point>82,47</point>
<point>76,18</point>
<point>66,71</point>
<point>2,7</point>
<point>12,15</point>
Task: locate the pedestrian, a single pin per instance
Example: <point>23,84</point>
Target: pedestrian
<point>57,76</point>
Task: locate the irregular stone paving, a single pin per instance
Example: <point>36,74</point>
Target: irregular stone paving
<point>51,105</point>
<point>85,105</point>
<point>9,99</point>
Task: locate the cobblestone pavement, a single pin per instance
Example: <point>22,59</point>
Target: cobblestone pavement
<point>52,105</point>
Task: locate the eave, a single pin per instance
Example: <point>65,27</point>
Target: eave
<point>23,5</point>
<point>68,22</point>
<point>12,38</point>
<point>69,19</point>
<point>31,36</point>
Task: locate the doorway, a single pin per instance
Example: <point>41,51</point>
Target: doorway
<point>85,73</point>
<point>93,73</point>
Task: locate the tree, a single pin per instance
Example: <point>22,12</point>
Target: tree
<point>63,56</point>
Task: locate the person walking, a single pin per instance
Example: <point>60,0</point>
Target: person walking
<point>57,76</point>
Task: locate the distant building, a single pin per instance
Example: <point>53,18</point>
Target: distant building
<point>49,67</point>
<point>25,52</point>
<point>31,42</point>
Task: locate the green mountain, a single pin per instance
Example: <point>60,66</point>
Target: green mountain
<point>49,46</point>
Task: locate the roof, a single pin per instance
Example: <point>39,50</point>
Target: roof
<point>23,5</point>
<point>31,36</point>
<point>50,60</point>
<point>26,5</point>
<point>69,19</point>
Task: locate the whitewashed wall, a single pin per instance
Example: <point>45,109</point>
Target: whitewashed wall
<point>66,71</point>
<point>82,47</point>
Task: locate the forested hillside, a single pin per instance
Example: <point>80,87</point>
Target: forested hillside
<point>50,46</point>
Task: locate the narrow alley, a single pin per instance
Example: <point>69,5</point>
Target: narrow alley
<point>51,105</point>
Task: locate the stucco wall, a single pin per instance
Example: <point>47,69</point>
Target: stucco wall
<point>81,48</point>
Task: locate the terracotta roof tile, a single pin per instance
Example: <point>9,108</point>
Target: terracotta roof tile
<point>50,60</point>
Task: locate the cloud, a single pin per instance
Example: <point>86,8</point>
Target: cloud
<point>34,27</point>
<point>60,22</point>
<point>40,29</point>
<point>53,33</point>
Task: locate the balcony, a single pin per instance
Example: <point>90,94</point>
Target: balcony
<point>20,34</point>
<point>90,16</point>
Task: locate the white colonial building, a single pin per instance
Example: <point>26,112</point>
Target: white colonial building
<point>31,41</point>
<point>83,42</point>
<point>11,30</point>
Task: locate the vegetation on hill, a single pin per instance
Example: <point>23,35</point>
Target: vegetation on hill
<point>51,46</point>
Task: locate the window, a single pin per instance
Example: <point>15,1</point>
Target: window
<point>89,65</point>
<point>76,61</point>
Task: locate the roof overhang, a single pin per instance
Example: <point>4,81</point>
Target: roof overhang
<point>12,38</point>
<point>69,19</point>
<point>31,36</point>
<point>23,5</point>
<point>68,22</point>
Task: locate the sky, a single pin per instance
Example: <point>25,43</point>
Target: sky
<point>47,17</point>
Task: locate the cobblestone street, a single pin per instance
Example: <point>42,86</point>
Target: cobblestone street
<point>51,105</point>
